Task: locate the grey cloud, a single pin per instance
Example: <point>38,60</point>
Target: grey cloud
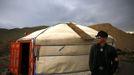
<point>6,24</point>
<point>23,13</point>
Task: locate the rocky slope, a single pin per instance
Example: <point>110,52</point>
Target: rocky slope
<point>123,40</point>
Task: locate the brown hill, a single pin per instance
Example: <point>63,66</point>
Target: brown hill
<point>8,35</point>
<point>123,40</point>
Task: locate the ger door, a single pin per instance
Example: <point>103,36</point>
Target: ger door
<point>21,58</point>
<point>14,58</point>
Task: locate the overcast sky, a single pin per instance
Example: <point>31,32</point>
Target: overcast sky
<point>27,13</point>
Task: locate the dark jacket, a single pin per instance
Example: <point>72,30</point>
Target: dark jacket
<point>110,54</point>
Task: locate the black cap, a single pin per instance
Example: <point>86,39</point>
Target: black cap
<point>102,34</point>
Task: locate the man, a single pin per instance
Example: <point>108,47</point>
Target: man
<point>103,58</point>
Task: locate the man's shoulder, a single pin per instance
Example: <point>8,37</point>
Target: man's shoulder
<point>110,46</point>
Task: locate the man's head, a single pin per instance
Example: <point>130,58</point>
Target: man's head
<point>101,37</point>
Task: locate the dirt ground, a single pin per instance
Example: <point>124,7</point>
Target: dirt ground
<point>126,68</point>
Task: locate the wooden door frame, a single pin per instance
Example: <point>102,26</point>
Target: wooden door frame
<point>31,58</point>
<point>31,61</point>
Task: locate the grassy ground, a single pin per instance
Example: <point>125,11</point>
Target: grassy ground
<point>4,63</point>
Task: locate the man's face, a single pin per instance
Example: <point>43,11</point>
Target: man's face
<point>100,39</point>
